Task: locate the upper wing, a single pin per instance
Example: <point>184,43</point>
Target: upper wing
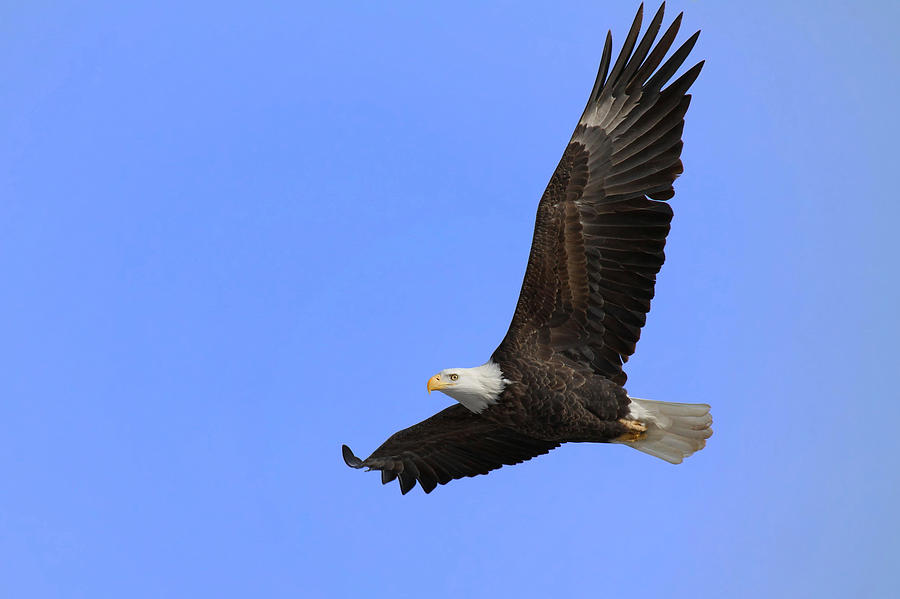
<point>602,223</point>
<point>451,444</point>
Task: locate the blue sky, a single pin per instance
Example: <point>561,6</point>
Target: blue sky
<point>235,236</point>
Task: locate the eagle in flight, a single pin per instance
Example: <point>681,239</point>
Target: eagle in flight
<point>598,244</point>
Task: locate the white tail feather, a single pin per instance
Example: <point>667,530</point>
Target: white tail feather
<point>674,430</point>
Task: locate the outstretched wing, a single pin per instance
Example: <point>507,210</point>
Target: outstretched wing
<point>451,444</point>
<point>602,222</point>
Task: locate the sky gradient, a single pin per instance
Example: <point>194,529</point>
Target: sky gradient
<point>235,236</point>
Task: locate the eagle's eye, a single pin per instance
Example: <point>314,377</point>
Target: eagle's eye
<point>453,377</point>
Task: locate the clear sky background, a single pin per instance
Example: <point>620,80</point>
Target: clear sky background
<point>234,236</point>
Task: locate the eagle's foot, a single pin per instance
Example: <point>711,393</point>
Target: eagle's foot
<point>635,430</point>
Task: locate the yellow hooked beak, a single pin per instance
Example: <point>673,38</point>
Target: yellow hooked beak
<point>436,384</point>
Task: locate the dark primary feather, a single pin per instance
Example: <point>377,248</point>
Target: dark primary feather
<point>451,444</point>
<point>602,222</point>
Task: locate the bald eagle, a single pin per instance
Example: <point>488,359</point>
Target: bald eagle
<point>598,244</point>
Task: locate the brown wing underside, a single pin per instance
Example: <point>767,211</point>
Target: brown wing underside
<point>453,443</point>
<point>602,222</point>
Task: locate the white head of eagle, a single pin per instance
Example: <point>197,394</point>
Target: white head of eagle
<point>475,388</point>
